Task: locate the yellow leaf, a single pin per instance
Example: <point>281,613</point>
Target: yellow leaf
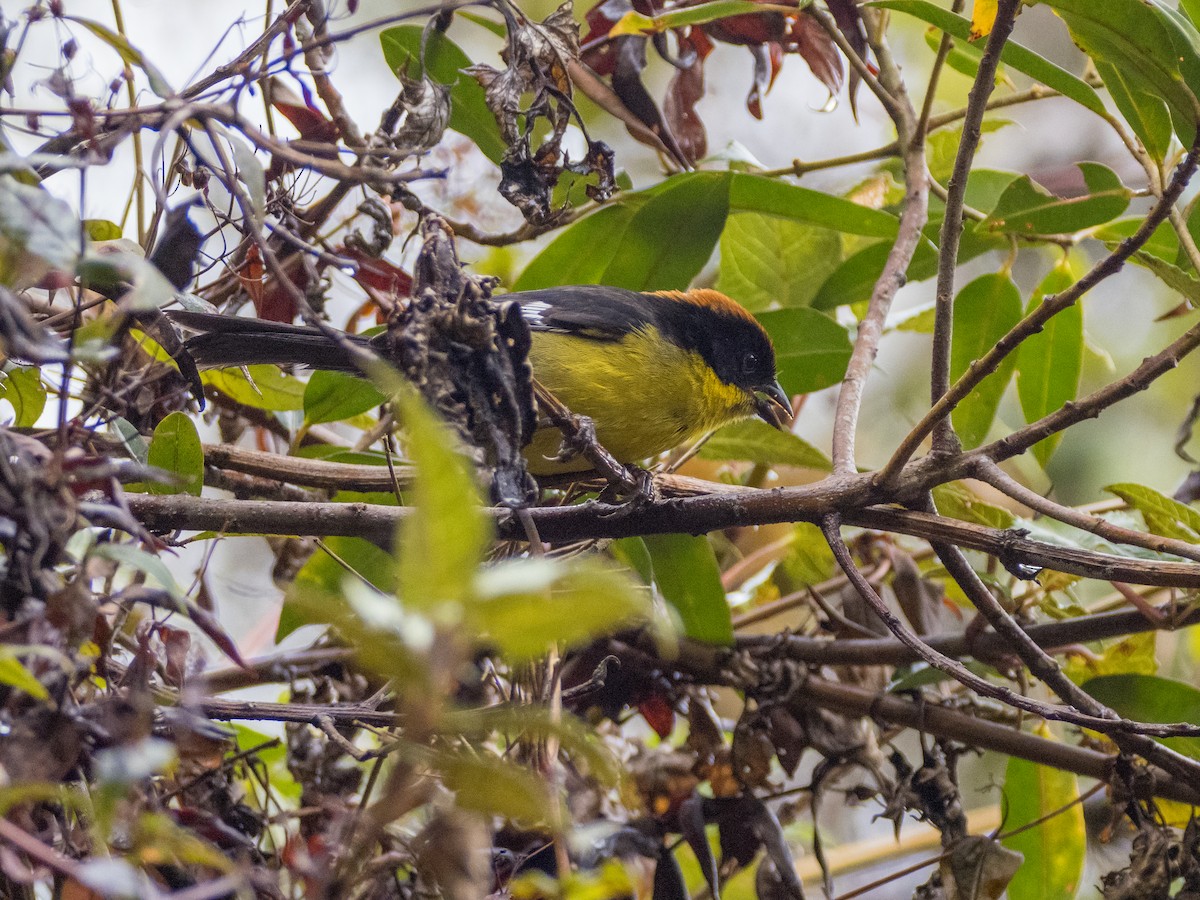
<point>983,17</point>
<point>634,23</point>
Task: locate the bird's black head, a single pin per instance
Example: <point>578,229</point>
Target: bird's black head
<point>732,342</point>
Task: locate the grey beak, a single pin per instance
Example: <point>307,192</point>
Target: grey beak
<point>774,406</point>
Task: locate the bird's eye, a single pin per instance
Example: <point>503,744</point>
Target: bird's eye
<point>749,363</point>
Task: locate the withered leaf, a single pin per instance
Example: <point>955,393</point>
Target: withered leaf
<point>426,106</point>
<point>683,93</point>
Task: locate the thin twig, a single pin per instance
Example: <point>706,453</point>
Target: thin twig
<point>944,439</point>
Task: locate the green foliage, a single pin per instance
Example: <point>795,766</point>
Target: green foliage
<point>660,238</point>
<point>1014,54</point>
<point>1027,208</point>
<point>1164,516</point>
<point>175,448</point>
<point>770,261</point>
<point>334,396</point>
<point>757,442</point>
<point>259,387</point>
<point>14,674</point>
<point>984,311</point>
<point>1054,850</point>
<point>23,389</point>
<point>444,61</point>
<point>689,579</point>
<point>811,349</point>
<point>38,233</point>
<point>1151,698</point>
<point>1050,362</point>
<point>1154,49</point>
<point>958,501</point>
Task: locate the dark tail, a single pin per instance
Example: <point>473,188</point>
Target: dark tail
<point>227,341</point>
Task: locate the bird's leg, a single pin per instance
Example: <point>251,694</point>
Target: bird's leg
<point>630,484</point>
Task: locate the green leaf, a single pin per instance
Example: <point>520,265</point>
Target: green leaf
<point>1151,698</point>
<point>147,287</point>
<point>38,233</point>
<point>442,541</point>
<point>524,606</point>
<point>1054,850</point>
<point>635,23</point>
<point>808,561</point>
<point>14,674</point>
<point>854,279</point>
<point>652,241</point>
<point>770,261</point>
<point>1164,515</point>
<point>495,787</point>
<point>266,388</point>
<point>444,62</point>
<point>175,448</point>
<point>129,55</point>
<point>1028,208</point>
<point>1145,113</point>
<point>1154,49</point>
<point>687,575</point>
<point>942,147</point>
<point>1175,278</point>
<point>334,396</point>
<point>984,311</point>
<point>1050,362</point>
<point>137,558</point>
<point>811,349</point>
<point>660,239</point>
<point>23,389</point>
<point>756,193</point>
<point>963,56</point>
<point>1013,55</point>
<point>1163,242</point>
<point>101,230</point>
<point>1192,9</point>
<point>356,558</point>
<point>757,442</point>
<point>958,501</point>
<point>632,553</point>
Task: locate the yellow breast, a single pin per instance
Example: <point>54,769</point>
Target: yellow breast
<point>644,394</point>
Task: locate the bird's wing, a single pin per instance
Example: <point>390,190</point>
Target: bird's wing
<point>591,311</point>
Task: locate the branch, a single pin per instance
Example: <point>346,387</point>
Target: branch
<point>913,216</point>
<point>1128,736</point>
<point>989,472</point>
<point>931,718</point>
<point>1105,724</point>
<point>694,515</point>
<point>951,233</point>
<point>988,645</point>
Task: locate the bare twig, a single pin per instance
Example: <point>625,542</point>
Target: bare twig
<point>952,223</point>
<point>914,214</point>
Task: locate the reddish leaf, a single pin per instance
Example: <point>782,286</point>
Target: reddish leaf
<point>750,28</point>
<point>378,274</point>
<point>310,122</point>
<point>683,93</point>
<point>659,715</point>
<point>819,51</point>
<point>850,23</point>
<point>251,275</point>
<point>176,643</point>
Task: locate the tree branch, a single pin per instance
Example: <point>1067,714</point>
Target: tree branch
<point>985,82</point>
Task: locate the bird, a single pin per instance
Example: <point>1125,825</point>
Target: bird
<point>652,370</point>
